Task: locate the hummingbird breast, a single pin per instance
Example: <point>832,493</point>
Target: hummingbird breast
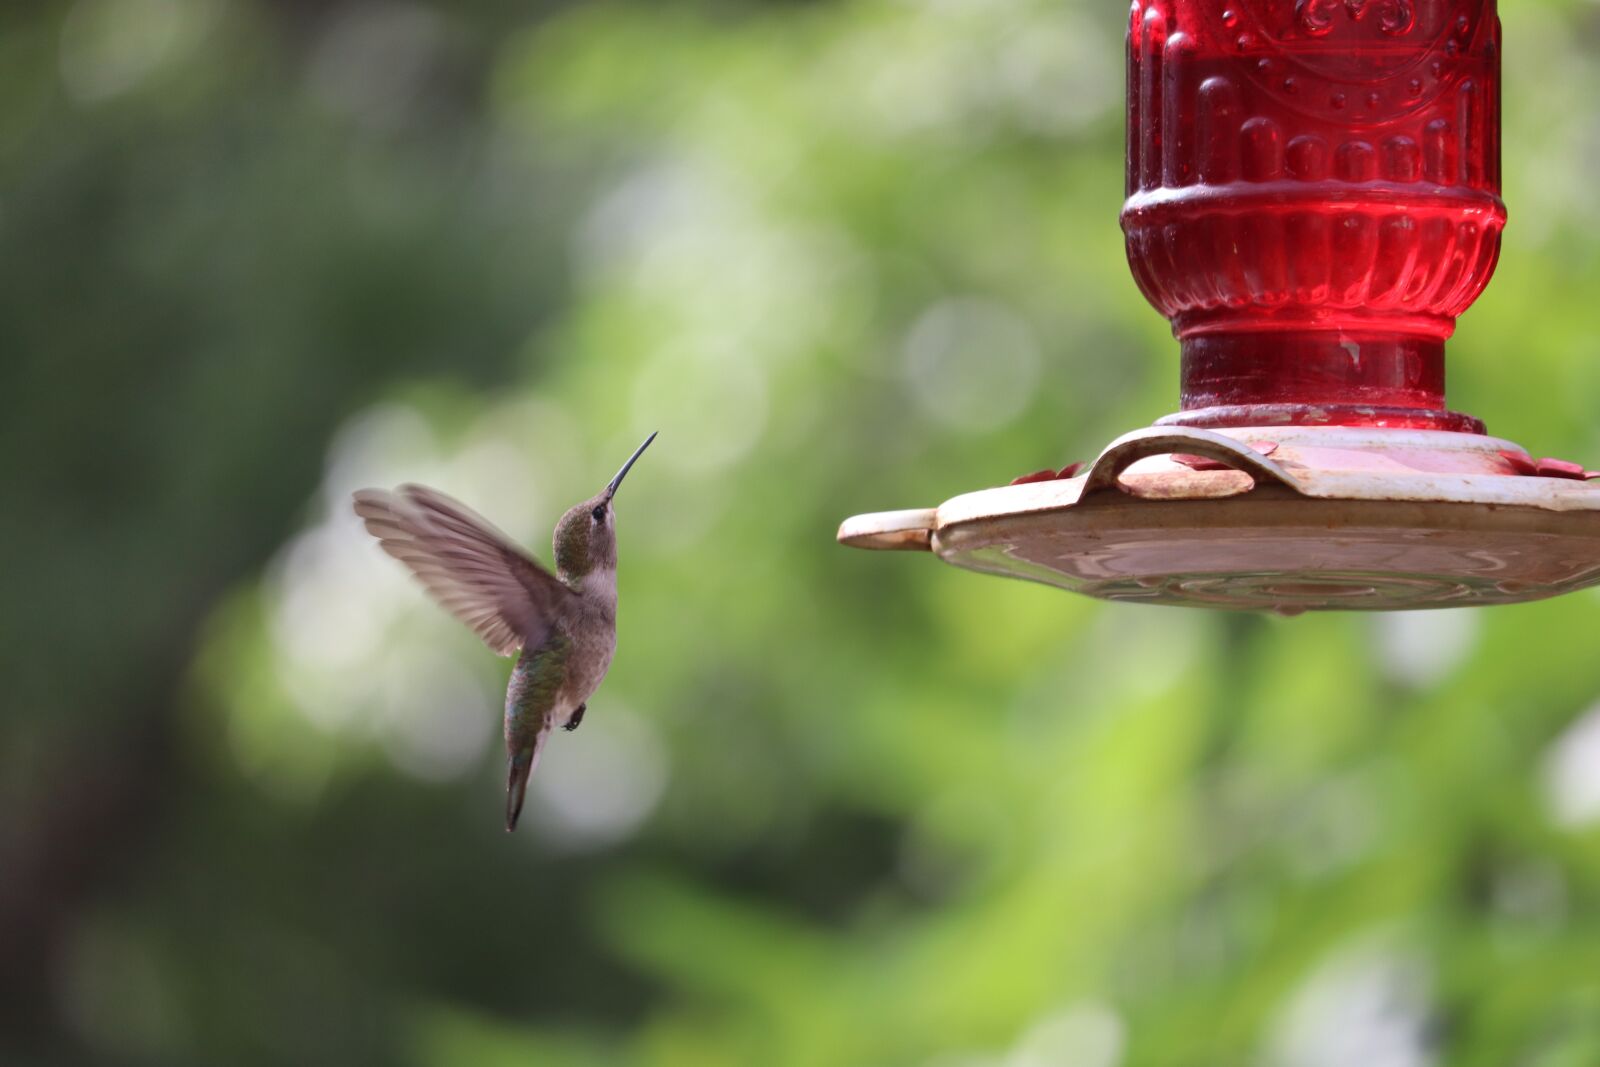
<point>593,645</point>
<point>592,629</point>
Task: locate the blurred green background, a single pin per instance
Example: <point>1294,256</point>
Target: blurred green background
<point>829,807</point>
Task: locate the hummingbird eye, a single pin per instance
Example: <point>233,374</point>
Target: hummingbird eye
<point>599,514</point>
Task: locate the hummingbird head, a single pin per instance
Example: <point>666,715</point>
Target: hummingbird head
<point>586,536</point>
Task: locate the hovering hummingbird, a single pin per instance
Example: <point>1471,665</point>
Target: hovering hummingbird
<point>564,625</point>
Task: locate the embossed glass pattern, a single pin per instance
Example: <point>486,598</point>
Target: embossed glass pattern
<point>1313,198</point>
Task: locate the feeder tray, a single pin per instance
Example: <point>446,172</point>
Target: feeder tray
<point>1313,198</point>
<point>1333,517</point>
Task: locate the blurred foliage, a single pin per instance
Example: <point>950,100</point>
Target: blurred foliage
<point>829,808</point>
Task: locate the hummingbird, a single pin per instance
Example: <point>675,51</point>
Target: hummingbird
<point>562,627</point>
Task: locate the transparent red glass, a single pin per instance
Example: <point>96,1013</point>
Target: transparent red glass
<point>1313,198</point>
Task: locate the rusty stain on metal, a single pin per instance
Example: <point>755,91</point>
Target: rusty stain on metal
<point>910,530</point>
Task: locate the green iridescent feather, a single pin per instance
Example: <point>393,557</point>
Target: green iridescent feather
<point>536,681</point>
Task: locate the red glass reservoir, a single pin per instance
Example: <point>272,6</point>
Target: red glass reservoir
<point>1313,198</point>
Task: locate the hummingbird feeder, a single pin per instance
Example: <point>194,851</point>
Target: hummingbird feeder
<point>1313,197</point>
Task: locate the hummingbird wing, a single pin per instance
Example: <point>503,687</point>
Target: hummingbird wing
<point>473,570</point>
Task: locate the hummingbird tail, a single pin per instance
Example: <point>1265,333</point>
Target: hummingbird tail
<point>518,767</point>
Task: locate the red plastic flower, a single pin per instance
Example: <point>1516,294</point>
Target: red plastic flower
<point>1524,464</point>
<point>1048,475</point>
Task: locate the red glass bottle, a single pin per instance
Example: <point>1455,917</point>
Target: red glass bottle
<point>1313,198</point>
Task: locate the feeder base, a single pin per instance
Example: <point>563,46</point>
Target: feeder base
<point>1284,519</point>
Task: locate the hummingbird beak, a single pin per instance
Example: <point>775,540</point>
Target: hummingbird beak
<point>611,487</point>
